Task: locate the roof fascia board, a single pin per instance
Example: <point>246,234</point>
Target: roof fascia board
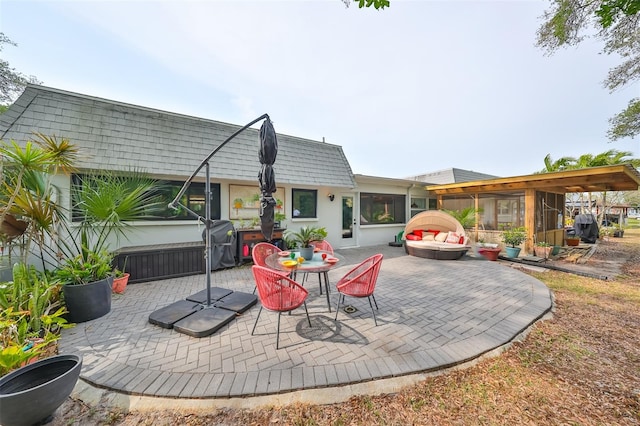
<point>597,177</point>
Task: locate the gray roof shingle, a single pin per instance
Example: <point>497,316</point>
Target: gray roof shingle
<point>120,136</point>
<point>452,175</point>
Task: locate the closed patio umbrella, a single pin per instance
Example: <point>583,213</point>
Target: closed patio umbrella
<point>267,177</point>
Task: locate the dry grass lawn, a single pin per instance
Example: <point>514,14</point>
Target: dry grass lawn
<point>582,367</point>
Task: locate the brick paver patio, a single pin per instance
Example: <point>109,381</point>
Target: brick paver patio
<point>432,315</point>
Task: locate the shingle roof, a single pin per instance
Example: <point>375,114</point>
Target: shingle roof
<point>122,136</point>
<point>453,175</point>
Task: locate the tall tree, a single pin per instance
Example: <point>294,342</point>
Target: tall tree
<point>12,82</point>
<point>633,198</point>
<point>617,24</point>
<point>378,4</point>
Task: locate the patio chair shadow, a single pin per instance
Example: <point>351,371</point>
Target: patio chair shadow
<point>325,329</point>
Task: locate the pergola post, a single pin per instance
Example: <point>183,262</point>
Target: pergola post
<point>529,218</point>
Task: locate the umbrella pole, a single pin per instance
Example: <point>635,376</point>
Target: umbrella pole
<point>207,218</point>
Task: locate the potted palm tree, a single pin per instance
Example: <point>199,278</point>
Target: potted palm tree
<point>27,194</point>
<point>303,237</point>
<point>31,305</point>
<point>103,204</point>
<point>513,237</point>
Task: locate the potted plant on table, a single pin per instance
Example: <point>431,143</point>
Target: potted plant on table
<point>303,238</point>
<point>513,237</point>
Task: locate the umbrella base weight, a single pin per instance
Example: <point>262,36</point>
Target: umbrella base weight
<point>204,322</point>
<point>217,293</point>
<point>237,302</point>
<point>166,317</point>
<point>194,318</point>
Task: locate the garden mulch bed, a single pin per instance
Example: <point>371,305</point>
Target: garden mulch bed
<point>580,367</point>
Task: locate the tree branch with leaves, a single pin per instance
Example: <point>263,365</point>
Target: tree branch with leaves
<point>12,82</point>
<point>617,24</point>
<point>378,4</point>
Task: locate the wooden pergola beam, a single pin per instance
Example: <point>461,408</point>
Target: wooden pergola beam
<point>621,177</point>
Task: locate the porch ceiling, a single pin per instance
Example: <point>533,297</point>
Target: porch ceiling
<point>621,177</point>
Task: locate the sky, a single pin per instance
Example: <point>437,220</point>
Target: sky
<point>418,87</point>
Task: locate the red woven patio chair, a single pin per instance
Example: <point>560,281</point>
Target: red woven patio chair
<point>322,245</point>
<point>260,252</point>
<point>278,293</point>
<point>361,282</point>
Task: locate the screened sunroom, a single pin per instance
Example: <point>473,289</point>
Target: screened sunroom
<point>536,202</point>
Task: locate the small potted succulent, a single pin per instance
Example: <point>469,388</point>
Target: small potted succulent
<point>120,278</point>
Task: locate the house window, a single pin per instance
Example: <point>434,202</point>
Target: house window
<point>381,208</point>
<point>508,213</point>
<point>304,204</point>
<point>418,205</point>
<point>193,199</point>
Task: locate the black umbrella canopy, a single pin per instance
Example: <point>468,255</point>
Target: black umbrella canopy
<point>267,177</point>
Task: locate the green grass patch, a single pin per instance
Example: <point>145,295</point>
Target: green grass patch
<point>584,286</point>
<point>633,224</point>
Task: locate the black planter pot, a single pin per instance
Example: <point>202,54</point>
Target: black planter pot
<point>31,394</point>
<point>88,301</point>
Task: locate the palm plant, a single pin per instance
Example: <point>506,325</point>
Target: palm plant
<point>104,204</point>
<point>305,235</point>
<point>607,158</point>
<point>466,216</point>
<point>26,190</point>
